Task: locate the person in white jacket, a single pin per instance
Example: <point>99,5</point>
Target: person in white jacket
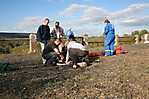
<point>75,51</point>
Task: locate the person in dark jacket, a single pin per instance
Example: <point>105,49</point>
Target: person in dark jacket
<point>43,35</point>
<point>51,52</point>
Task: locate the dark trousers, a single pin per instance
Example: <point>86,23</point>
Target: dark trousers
<point>77,55</point>
<point>51,58</point>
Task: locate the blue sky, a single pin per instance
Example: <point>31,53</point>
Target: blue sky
<point>83,16</point>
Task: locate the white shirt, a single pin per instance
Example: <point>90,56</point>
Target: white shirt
<point>73,44</point>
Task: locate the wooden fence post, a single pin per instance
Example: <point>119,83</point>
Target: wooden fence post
<point>146,38</point>
<point>136,39</point>
<point>32,43</point>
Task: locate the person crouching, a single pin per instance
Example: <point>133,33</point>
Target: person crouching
<point>51,52</point>
<point>76,52</point>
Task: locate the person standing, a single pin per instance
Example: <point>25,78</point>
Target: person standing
<point>43,35</point>
<point>58,32</point>
<point>109,38</point>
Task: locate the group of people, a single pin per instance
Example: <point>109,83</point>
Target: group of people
<point>54,49</point>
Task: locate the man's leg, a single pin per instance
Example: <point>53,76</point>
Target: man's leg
<point>107,49</point>
<point>112,44</point>
<point>112,47</point>
<point>73,54</point>
<point>60,47</point>
<point>51,58</point>
<point>108,41</point>
<point>77,55</point>
<point>42,48</point>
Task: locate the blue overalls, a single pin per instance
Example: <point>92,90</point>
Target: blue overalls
<point>109,39</point>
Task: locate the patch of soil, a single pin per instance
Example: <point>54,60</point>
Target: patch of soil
<point>124,76</point>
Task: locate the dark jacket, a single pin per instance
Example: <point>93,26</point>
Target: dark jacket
<point>49,50</point>
<point>43,33</point>
<point>56,30</point>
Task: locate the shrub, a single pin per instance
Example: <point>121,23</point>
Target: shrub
<point>4,50</point>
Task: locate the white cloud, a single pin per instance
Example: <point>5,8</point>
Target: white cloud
<point>143,21</point>
<point>73,8</point>
<point>92,15</point>
<point>89,13</point>
<point>92,12</point>
<point>130,10</point>
<point>29,22</point>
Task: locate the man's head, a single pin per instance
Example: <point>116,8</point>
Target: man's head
<point>46,21</point>
<point>106,21</point>
<point>57,24</point>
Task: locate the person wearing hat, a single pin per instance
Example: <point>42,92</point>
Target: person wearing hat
<point>43,35</point>
<point>69,33</point>
<point>109,38</point>
<point>58,32</point>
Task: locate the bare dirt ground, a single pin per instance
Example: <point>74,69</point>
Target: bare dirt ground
<point>124,76</point>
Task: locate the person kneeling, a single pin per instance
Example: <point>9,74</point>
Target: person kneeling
<point>51,52</point>
<point>77,53</point>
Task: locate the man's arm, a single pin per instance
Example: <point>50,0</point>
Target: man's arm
<point>39,34</point>
<point>49,34</point>
<point>106,30</point>
<point>67,56</point>
<point>58,53</point>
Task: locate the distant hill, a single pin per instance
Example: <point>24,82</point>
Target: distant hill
<point>13,35</point>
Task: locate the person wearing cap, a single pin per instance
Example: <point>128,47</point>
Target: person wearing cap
<point>109,38</point>
<point>43,35</point>
<point>68,34</point>
<point>75,52</point>
<point>58,32</point>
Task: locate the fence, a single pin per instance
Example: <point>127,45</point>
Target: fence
<point>100,40</point>
<point>92,42</point>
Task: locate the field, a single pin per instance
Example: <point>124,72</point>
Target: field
<point>123,76</point>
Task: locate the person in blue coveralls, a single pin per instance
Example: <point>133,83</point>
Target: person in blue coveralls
<point>109,38</point>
